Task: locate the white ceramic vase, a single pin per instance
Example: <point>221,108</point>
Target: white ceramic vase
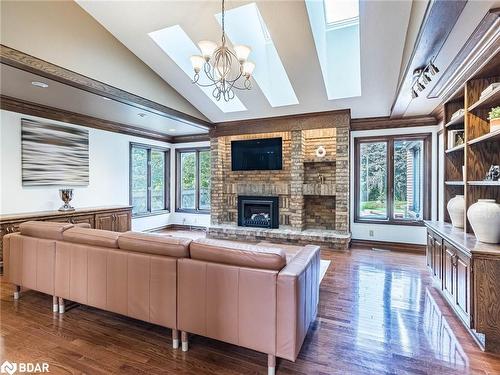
<point>484,217</point>
<point>456,209</point>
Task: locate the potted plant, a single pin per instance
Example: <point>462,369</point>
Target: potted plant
<point>494,117</point>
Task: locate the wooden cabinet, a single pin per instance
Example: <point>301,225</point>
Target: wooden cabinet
<point>462,283</point>
<point>104,221</point>
<point>115,221</point>
<point>469,275</point>
<point>456,280</point>
<point>449,271</point>
<point>114,218</point>
<point>123,221</point>
<point>434,255</point>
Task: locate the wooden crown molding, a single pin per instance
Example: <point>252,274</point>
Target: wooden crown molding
<point>33,109</point>
<point>438,113</point>
<point>190,138</point>
<point>483,43</point>
<point>440,18</point>
<point>375,123</point>
<point>303,121</point>
<point>23,61</point>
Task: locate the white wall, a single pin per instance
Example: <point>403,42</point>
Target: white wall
<point>394,233</point>
<point>109,175</point>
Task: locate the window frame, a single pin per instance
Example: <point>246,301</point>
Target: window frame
<point>166,174</point>
<point>197,151</point>
<point>426,193</point>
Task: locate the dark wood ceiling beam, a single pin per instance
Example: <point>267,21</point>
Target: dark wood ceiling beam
<point>190,138</point>
<point>23,61</point>
<point>440,18</point>
<point>316,120</point>
<point>33,109</point>
<point>375,123</point>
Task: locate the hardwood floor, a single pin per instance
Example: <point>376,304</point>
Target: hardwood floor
<point>379,314</point>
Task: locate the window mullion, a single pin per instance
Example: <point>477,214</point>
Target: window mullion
<point>390,179</point>
<point>197,180</point>
<point>149,181</point>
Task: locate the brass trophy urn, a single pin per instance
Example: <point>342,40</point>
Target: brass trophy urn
<point>66,196</point>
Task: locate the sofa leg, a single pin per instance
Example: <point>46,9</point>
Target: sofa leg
<point>17,292</point>
<point>184,339</point>
<point>61,305</point>
<point>55,304</point>
<point>175,339</point>
<point>271,364</point>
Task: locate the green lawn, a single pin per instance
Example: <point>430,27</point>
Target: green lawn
<point>379,207</point>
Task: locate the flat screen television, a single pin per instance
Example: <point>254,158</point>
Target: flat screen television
<point>256,154</point>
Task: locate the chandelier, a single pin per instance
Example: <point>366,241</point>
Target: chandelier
<point>224,68</point>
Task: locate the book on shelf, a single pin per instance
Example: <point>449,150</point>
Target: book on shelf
<point>457,114</point>
<point>488,90</point>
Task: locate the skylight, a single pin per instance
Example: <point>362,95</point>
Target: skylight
<point>335,28</point>
<point>341,13</point>
<point>179,47</point>
<point>245,25</point>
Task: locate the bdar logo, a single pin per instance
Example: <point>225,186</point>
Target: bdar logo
<point>8,368</point>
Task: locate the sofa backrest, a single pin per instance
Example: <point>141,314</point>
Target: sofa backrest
<point>44,229</point>
<point>238,254</point>
<point>154,244</point>
<point>93,237</point>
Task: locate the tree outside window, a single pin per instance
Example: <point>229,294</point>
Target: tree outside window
<point>390,179</point>
<point>193,180</point>
<point>149,168</point>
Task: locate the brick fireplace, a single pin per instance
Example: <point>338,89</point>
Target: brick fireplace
<point>311,192</point>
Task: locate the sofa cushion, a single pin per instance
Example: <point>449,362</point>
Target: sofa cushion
<point>238,254</point>
<point>44,229</point>
<point>94,237</point>
<point>158,244</point>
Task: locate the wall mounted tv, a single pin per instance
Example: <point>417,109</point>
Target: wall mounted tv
<point>256,154</point>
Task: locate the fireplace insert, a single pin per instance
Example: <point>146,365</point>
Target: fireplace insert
<point>262,212</point>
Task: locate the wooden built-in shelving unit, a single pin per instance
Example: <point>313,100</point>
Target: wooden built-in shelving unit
<point>481,148</point>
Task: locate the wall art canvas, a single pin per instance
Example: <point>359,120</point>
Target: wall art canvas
<point>54,155</point>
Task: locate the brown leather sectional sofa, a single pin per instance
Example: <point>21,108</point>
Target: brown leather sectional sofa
<point>258,297</point>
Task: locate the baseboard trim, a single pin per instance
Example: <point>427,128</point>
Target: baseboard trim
<point>393,246</point>
<point>186,227</point>
<point>177,227</point>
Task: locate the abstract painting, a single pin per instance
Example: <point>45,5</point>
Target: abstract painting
<point>54,155</point>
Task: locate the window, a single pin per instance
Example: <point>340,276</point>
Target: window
<point>193,180</point>
<point>149,179</point>
<point>391,179</point>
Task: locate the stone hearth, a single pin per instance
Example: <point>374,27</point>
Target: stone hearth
<point>331,239</point>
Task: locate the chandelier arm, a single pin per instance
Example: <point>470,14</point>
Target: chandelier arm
<point>218,70</point>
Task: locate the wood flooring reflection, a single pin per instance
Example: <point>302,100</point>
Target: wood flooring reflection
<point>379,314</point>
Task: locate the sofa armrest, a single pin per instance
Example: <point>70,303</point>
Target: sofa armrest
<point>297,301</point>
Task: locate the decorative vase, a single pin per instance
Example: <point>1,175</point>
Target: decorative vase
<point>66,196</point>
<point>456,209</point>
<point>484,217</point>
<point>494,125</point>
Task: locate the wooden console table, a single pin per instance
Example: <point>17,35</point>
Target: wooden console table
<point>467,272</point>
<point>114,218</point>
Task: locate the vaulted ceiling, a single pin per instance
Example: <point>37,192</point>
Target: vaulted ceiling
<point>383,26</point>
<point>310,57</point>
